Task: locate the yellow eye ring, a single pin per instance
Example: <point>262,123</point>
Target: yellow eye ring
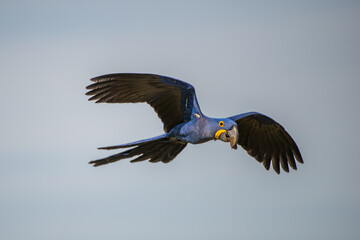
<point>221,123</point>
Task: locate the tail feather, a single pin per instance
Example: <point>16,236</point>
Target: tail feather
<point>151,152</point>
<point>157,150</point>
<point>132,144</point>
<point>171,153</point>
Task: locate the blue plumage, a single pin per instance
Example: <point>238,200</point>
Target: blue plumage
<point>176,105</point>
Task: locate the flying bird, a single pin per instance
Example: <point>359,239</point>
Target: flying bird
<point>176,104</point>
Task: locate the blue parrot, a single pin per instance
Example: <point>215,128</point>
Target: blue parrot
<point>176,104</point>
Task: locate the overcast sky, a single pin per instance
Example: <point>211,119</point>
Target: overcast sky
<point>296,61</point>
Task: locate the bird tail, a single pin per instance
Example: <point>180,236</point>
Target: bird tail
<point>153,149</point>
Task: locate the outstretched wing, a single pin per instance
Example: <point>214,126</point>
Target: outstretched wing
<point>172,99</point>
<point>267,141</point>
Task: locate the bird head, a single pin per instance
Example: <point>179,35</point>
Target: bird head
<point>227,131</point>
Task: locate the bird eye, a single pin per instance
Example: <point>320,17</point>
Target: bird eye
<point>221,123</point>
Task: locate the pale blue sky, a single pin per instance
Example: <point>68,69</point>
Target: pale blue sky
<point>296,61</point>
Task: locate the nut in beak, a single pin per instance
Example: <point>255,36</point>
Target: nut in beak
<point>231,136</point>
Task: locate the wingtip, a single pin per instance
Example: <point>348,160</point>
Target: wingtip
<point>95,79</point>
<point>299,159</point>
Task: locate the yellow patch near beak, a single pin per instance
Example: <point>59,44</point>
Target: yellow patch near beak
<point>219,132</point>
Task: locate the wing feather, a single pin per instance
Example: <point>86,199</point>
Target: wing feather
<point>172,99</point>
<point>267,141</point>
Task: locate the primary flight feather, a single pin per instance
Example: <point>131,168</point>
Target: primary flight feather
<point>176,105</point>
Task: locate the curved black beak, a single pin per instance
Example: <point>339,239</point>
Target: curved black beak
<point>231,136</point>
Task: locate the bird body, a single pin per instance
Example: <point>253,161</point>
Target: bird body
<point>199,129</point>
<point>176,105</point>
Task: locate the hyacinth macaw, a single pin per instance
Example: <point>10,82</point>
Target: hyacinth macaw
<point>176,105</point>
